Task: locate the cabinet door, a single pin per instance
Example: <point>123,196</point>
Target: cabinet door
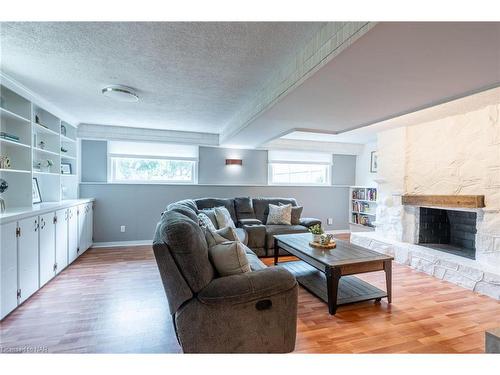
<point>82,227</point>
<point>90,224</point>
<point>47,246</point>
<point>8,268</point>
<point>28,257</point>
<point>61,240</point>
<point>72,234</point>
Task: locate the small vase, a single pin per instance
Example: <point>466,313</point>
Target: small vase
<point>316,238</point>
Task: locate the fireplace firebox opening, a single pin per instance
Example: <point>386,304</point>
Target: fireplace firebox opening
<point>450,231</point>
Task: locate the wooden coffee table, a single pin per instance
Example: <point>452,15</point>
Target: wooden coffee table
<point>328,273</point>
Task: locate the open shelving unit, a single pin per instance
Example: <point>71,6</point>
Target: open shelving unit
<point>37,143</point>
<point>363,203</point>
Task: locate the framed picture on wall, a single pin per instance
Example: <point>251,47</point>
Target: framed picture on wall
<point>35,191</point>
<point>66,168</point>
<point>374,162</point>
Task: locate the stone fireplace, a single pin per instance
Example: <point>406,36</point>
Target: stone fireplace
<point>455,236</point>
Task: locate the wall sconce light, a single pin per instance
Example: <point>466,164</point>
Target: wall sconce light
<point>234,162</point>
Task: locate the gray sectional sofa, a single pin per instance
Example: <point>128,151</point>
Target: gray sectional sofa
<point>253,312</point>
<point>250,216</point>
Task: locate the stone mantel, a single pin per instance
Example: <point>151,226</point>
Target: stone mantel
<point>445,201</point>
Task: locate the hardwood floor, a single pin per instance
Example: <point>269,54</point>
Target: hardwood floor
<point>112,301</point>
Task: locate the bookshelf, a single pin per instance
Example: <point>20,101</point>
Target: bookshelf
<point>36,143</point>
<point>363,208</point>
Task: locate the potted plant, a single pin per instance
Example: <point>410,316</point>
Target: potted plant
<point>316,231</point>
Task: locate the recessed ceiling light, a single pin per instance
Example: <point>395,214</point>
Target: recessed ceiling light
<point>120,93</point>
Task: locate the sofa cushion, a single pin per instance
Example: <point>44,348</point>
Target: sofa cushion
<point>229,258</point>
<point>244,208</point>
<point>203,203</point>
<point>223,217</point>
<point>254,262</point>
<point>242,235</point>
<point>188,247</point>
<point>279,214</point>
<point>296,213</point>
<point>272,230</point>
<point>261,206</point>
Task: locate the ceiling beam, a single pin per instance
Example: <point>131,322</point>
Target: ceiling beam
<point>122,133</point>
<point>331,40</point>
<point>339,148</point>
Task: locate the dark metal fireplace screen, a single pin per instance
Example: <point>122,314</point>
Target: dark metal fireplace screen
<point>447,230</point>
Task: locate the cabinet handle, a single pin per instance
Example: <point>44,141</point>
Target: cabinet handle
<point>43,224</point>
<point>36,225</point>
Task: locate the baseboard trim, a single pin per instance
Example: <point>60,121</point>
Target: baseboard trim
<point>122,243</point>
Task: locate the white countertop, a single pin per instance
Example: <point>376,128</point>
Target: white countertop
<point>18,213</point>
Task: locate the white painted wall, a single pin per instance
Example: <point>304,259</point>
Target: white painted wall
<point>363,175</point>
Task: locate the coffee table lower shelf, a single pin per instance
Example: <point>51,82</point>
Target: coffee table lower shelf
<point>351,288</point>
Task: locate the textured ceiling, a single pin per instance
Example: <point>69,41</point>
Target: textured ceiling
<point>395,68</point>
<point>189,76</point>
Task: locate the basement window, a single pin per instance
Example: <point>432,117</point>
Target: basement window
<point>299,168</point>
<point>148,162</point>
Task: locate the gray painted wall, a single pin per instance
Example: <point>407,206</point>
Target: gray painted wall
<point>138,207</point>
<point>344,170</point>
<point>212,168</point>
<point>94,161</point>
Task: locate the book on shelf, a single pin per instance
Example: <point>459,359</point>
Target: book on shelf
<point>9,137</point>
<point>371,194</point>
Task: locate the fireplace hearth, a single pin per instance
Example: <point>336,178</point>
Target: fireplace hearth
<point>450,231</point>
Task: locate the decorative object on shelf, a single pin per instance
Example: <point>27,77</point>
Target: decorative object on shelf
<point>374,162</point>
<point>66,168</point>
<point>43,165</point>
<point>37,120</point>
<point>35,191</point>
<point>316,231</point>
<point>64,149</point>
<point>3,188</point>
<point>41,145</point>
<point>4,162</point>
<point>9,137</point>
<point>63,130</point>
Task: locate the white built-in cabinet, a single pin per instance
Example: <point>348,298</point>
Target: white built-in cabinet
<point>27,257</point>
<point>72,234</point>
<point>35,249</point>
<point>61,240</point>
<point>47,246</point>
<point>85,226</point>
<point>8,268</point>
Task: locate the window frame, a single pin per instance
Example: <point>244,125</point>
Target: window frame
<point>111,177</point>
<point>328,181</point>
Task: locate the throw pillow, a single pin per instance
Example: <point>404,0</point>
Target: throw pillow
<point>279,214</point>
<point>223,217</point>
<point>211,214</point>
<point>296,213</point>
<point>205,221</point>
<point>229,258</point>
<point>220,236</point>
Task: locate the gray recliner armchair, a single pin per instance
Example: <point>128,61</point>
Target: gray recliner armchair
<point>255,312</point>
